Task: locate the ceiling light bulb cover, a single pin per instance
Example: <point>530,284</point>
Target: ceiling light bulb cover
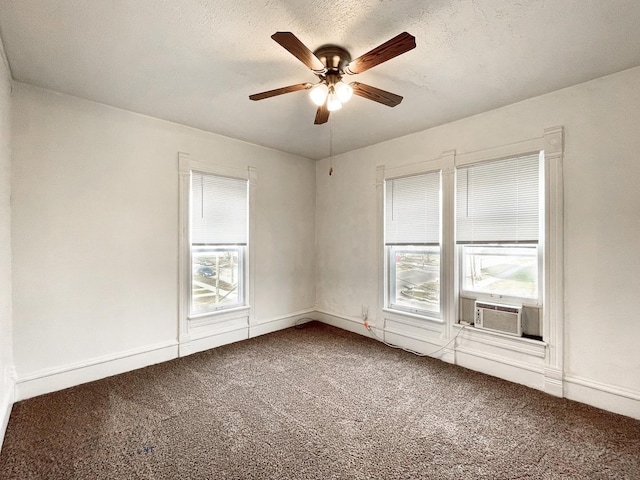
<point>343,91</point>
<point>319,93</point>
<point>333,102</point>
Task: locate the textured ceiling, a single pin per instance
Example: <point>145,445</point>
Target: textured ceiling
<point>195,62</point>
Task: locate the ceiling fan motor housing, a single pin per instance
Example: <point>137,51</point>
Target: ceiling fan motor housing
<point>334,58</point>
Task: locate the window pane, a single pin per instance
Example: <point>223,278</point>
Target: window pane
<point>415,282</point>
<point>215,278</point>
<point>508,270</point>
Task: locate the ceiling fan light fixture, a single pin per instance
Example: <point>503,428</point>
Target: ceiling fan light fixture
<point>343,91</point>
<point>318,93</point>
<point>333,102</point>
<point>330,63</point>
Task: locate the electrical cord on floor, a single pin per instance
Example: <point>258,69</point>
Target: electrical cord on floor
<point>302,323</point>
<point>368,327</point>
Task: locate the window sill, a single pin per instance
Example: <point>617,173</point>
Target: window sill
<point>510,342</point>
<point>222,314</point>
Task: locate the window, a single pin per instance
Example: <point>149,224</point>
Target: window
<point>412,243</point>
<point>218,233</point>
<point>500,270</point>
<point>498,228</point>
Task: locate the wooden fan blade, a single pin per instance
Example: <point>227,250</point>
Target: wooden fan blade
<point>298,49</point>
<point>280,91</point>
<point>396,46</point>
<point>322,115</point>
<point>375,94</point>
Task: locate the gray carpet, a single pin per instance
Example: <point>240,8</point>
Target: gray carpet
<point>313,402</point>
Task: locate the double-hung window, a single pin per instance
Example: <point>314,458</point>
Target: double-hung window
<point>498,229</point>
<point>412,243</point>
<point>218,240</point>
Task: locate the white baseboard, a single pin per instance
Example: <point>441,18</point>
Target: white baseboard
<point>424,346</point>
<point>508,369</point>
<point>601,395</point>
<point>237,329</point>
<point>213,340</point>
<point>473,359</point>
<point>554,381</point>
<point>6,403</point>
<point>345,323</point>
<point>612,398</point>
<point>607,397</point>
<point>279,323</point>
<point>65,376</point>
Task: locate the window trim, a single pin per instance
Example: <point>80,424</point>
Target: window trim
<point>187,320</point>
<point>382,175</point>
<point>520,149</point>
<point>551,142</point>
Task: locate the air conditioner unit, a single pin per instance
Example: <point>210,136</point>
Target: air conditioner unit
<point>498,318</point>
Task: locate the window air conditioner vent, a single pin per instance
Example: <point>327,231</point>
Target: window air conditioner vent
<point>499,318</point>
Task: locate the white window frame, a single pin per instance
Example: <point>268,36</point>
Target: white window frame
<point>383,175</point>
<point>189,322</point>
<point>503,298</point>
<point>551,142</point>
<point>390,278</point>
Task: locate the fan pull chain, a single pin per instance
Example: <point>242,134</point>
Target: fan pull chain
<point>330,149</point>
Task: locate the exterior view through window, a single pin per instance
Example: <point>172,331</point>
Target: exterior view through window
<point>509,270</point>
<point>215,277</point>
<point>415,277</point>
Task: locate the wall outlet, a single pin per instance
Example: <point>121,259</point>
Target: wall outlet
<point>365,312</point>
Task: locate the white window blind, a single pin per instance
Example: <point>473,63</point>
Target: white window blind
<point>218,210</point>
<point>413,210</point>
<point>498,201</point>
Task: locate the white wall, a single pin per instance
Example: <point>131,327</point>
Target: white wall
<point>95,218</point>
<point>6,355</point>
<point>601,225</point>
<point>95,235</point>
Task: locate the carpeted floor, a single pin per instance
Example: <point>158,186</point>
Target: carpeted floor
<point>313,402</point>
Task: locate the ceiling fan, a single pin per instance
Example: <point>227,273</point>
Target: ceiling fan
<point>330,63</point>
